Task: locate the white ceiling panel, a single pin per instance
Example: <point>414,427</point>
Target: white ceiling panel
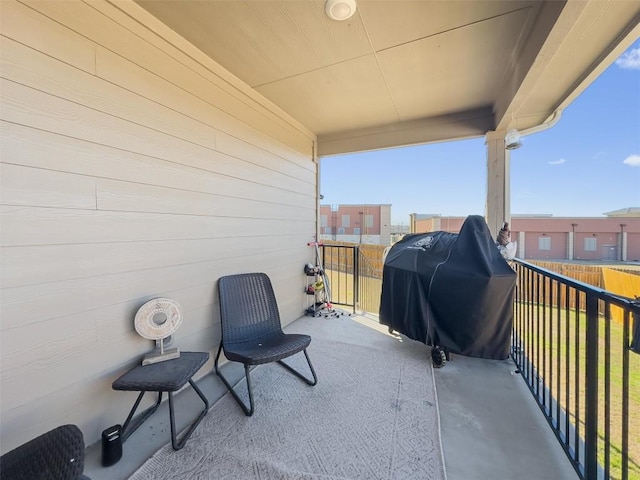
<point>396,65</point>
<point>349,95</point>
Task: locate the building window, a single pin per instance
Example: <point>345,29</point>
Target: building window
<point>324,221</point>
<point>341,230</point>
<point>356,231</point>
<point>590,244</point>
<point>544,243</point>
<point>346,219</point>
<point>327,230</point>
<point>368,221</point>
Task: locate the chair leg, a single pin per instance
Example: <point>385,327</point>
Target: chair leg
<point>248,411</point>
<point>298,374</point>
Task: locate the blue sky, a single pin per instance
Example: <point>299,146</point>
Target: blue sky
<point>585,165</point>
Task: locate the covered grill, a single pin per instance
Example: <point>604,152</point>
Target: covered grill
<point>454,291</point>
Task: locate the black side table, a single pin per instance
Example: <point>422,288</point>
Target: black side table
<point>168,376</point>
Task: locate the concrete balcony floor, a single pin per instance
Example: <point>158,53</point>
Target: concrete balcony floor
<point>491,427</point>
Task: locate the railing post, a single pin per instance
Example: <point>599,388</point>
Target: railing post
<point>591,406</point>
<point>356,278</point>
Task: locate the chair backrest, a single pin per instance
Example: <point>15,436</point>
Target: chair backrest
<point>248,307</point>
<point>54,455</point>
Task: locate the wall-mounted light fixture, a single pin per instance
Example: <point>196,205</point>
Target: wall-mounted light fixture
<point>340,9</point>
<point>512,140</point>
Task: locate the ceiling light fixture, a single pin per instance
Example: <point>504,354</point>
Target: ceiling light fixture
<point>340,9</point>
<point>512,140</point>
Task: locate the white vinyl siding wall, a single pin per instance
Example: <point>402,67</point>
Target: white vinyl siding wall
<point>132,167</point>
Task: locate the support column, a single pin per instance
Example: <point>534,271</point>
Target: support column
<point>570,248</point>
<point>571,254</point>
<point>521,240</point>
<point>316,160</point>
<point>498,204</point>
<point>622,243</point>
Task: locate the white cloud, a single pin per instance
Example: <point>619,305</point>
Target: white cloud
<point>630,60</point>
<point>525,194</point>
<point>557,162</point>
<point>632,161</point>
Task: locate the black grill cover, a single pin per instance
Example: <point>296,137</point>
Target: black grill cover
<point>451,290</point>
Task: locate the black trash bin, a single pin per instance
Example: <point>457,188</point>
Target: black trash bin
<point>111,445</point>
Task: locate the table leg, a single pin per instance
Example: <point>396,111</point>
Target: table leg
<point>127,430</point>
<point>178,444</point>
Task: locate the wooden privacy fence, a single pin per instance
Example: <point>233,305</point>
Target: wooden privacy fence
<point>591,274</point>
<point>617,280</point>
<point>344,263</point>
<point>621,283</point>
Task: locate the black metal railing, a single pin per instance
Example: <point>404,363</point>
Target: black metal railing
<point>573,345</point>
<point>361,290</point>
<point>340,262</point>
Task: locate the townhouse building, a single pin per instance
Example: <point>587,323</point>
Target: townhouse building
<point>612,237</point>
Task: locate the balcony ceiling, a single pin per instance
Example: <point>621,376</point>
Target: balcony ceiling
<point>408,72</point>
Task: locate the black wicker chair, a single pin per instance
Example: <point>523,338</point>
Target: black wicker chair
<point>54,455</point>
<point>251,329</point>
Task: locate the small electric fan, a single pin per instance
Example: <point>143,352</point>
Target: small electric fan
<point>157,320</point>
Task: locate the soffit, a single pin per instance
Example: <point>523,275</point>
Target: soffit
<point>401,72</point>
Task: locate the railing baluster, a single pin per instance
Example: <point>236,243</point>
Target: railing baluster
<point>520,318</point>
<point>529,330</point>
<point>576,343</point>
<point>607,389</point>
<point>543,376</point>
<point>559,352</point>
<point>591,398</point>
<point>625,392</point>
<point>522,310</point>
<point>356,278</point>
<point>567,409</point>
<point>537,317</point>
<point>551,385</point>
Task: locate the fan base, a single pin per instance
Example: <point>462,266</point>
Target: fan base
<point>156,357</point>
